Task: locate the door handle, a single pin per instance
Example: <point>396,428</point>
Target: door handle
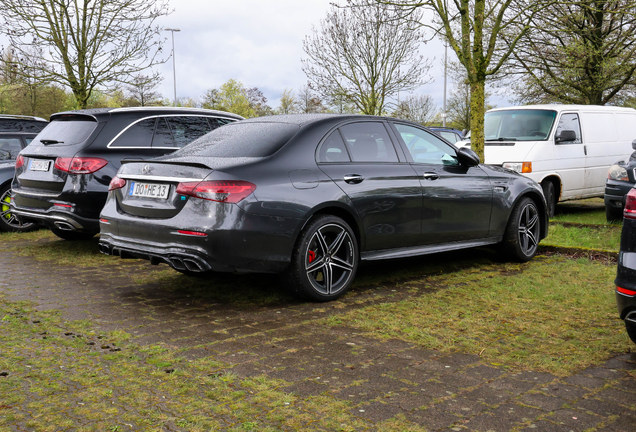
<point>430,176</point>
<point>585,150</point>
<point>353,178</point>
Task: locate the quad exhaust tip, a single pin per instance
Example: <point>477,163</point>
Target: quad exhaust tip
<point>64,226</point>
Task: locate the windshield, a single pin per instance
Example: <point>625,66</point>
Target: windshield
<point>518,125</point>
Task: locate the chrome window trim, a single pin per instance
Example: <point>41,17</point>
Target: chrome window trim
<point>152,117</point>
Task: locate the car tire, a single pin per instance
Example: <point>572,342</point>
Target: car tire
<point>324,260</point>
<point>549,191</point>
<point>613,214</point>
<point>8,221</point>
<point>521,239</point>
<point>72,235</point>
<point>631,331</point>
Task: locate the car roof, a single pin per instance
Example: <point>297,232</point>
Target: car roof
<point>21,117</point>
<point>99,112</point>
<point>303,119</point>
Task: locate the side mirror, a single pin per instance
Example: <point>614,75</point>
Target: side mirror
<point>464,132</point>
<point>634,144</point>
<point>467,157</point>
<point>566,135</point>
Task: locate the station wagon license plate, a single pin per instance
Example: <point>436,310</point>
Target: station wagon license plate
<point>39,165</point>
<point>149,190</point>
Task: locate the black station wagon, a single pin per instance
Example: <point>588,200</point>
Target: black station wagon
<point>61,178</point>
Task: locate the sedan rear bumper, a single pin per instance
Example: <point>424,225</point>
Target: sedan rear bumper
<point>57,219</point>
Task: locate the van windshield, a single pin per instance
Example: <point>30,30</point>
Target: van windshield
<point>518,125</point>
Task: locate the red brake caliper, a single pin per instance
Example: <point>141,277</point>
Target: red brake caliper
<point>312,256</point>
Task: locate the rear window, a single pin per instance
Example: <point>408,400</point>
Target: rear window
<point>241,140</point>
<point>67,131</point>
<point>18,125</point>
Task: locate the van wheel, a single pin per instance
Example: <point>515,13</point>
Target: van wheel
<point>324,260</point>
<point>72,235</point>
<point>521,240</point>
<point>549,191</point>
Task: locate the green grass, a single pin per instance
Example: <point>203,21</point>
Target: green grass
<point>551,314</point>
<point>605,238</point>
<point>57,381</point>
<point>586,211</point>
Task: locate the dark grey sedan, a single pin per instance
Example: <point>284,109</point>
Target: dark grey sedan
<point>310,196</point>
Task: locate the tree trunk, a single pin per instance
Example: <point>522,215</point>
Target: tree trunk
<point>477,111</point>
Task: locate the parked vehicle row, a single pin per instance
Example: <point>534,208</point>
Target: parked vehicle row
<point>305,196</point>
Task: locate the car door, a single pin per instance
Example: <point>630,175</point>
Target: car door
<point>361,159</point>
<point>569,157</point>
<point>457,200</point>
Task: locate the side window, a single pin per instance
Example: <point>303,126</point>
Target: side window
<point>9,148</point>
<point>368,142</point>
<point>569,122</point>
<point>426,147</point>
<point>449,136</point>
<point>333,149</point>
<point>216,122</point>
<point>163,135</point>
<point>188,128</point>
<point>137,135</point>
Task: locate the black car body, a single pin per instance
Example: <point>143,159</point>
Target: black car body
<point>311,195</point>
<point>16,132</point>
<point>62,177</point>
<point>621,177</point>
<point>626,270</point>
<point>451,135</point>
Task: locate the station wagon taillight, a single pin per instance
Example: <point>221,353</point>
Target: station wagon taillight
<point>116,183</point>
<point>220,191</point>
<point>630,205</point>
<point>80,165</point>
<point>19,162</point>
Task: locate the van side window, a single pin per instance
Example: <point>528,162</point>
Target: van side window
<point>139,135</point>
<point>569,122</point>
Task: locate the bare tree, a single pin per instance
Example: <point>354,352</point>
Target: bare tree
<point>309,102</point>
<point>287,102</point>
<point>580,52</point>
<point>482,33</point>
<point>417,108</point>
<point>365,53</point>
<point>85,44</point>
<point>142,89</point>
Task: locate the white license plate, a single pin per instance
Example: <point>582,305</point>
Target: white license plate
<point>39,165</point>
<point>149,190</point>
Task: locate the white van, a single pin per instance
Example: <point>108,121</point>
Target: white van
<point>568,149</point>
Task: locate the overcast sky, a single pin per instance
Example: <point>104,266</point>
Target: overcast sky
<point>257,42</point>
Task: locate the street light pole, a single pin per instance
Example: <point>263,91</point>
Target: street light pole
<point>174,67</point>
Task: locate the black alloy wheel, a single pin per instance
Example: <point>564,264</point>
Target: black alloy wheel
<point>324,261</point>
<point>521,239</point>
<point>9,221</point>
<point>549,191</point>
<point>631,330</point>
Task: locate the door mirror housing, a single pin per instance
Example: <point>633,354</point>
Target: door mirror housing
<point>634,144</point>
<point>565,135</point>
<point>467,157</point>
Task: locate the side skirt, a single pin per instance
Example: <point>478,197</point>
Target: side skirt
<point>426,249</point>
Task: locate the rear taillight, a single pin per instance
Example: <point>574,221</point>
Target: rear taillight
<point>19,162</point>
<point>116,183</point>
<point>626,291</point>
<point>220,191</point>
<point>630,205</point>
<point>80,165</point>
